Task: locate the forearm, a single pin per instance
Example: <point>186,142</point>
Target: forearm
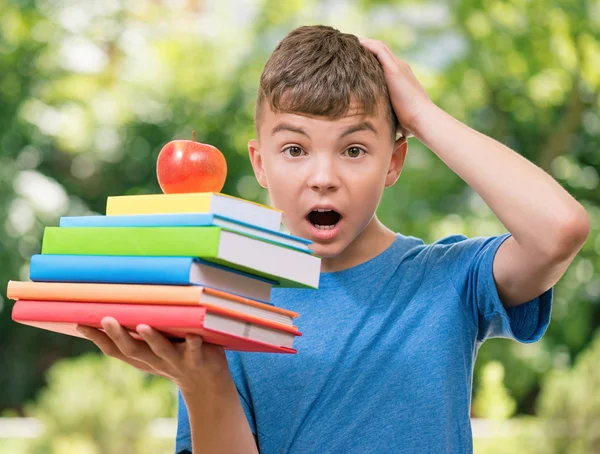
<point>218,422</point>
<point>534,208</point>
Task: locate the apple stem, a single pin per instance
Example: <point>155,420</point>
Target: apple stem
<point>194,136</point>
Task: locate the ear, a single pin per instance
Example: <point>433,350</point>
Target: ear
<point>397,161</point>
<point>257,162</point>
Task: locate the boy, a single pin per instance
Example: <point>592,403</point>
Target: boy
<point>390,337</point>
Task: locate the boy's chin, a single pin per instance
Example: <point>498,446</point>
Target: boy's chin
<point>328,250</point>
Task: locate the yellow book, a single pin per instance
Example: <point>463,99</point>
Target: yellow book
<point>197,202</point>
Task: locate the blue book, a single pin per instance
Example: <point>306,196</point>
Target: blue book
<point>148,270</point>
<point>187,220</point>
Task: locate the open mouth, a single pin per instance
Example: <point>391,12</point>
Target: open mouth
<point>324,219</point>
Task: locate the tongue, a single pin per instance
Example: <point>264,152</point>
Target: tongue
<point>324,217</point>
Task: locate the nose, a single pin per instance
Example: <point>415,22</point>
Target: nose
<point>323,175</point>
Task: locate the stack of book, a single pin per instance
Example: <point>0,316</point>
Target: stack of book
<point>202,263</point>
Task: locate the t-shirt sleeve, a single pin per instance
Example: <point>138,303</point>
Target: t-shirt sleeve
<point>470,266</point>
<point>183,441</point>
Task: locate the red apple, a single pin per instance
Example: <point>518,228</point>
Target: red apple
<point>190,166</point>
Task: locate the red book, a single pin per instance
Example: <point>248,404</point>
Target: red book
<point>232,331</point>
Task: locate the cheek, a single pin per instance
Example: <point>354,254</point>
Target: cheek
<point>367,187</point>
<point>369,197</point>
<point>283,186</point>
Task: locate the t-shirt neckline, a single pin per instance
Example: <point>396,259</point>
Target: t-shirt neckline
<point>362,270</point>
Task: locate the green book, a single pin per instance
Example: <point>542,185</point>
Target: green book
<point>289,267</point>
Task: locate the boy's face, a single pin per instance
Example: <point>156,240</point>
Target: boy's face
<point>326,175</point>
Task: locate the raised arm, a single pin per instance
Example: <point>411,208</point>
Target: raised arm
<point>547,225</point>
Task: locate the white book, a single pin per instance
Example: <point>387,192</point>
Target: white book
<point>277,262</point>
<point>248,330</point>
<point>230,281</point>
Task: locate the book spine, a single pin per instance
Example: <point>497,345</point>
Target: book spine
<point>110,269</point>
<point>159,203</point>
<point>134,241</point>
<point>138,220</point>
<point>91,314</point>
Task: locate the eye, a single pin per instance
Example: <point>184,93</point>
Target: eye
<point>355,152</point>
<point>293,152</point>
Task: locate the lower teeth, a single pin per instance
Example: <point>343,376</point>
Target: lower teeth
<point>324,227</point>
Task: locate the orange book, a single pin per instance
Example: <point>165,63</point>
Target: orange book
<point>192,295</point>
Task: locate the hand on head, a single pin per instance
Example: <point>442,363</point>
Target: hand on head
<point>408,97</point>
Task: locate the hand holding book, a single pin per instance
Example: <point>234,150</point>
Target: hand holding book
<point>192,364</point>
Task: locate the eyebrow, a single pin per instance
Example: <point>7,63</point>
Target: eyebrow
<point>363,126</point>
<point>287,127</point>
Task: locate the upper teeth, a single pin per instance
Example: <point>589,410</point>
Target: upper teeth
<point>322,210</point>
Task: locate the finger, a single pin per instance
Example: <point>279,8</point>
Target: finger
<point>101,339</point>
<point>392,64</point>
<point>381,51</point>
<point>194,342</point>
<point>129,346</point>
<point>197,346</point>
<point>403,132</point>
<point>158,343</point>
<point>108,347</point>
<point>193,346</point>
<point>380,46</point>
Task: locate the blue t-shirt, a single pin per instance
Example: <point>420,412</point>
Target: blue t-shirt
<point>385,360</point>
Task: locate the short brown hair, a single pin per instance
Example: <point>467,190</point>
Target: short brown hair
<point>317,70</point>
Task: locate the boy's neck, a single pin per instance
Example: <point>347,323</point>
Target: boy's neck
<point>371,242</point>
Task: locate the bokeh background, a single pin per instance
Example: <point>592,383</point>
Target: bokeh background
<point>91,91</point>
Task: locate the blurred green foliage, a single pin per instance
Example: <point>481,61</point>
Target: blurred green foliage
<point>572,400</point>
<point>522,435</point>
<point>95,405</point>
<point>493,400</point>
<point>91,91</point>
<point>568,411</point>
